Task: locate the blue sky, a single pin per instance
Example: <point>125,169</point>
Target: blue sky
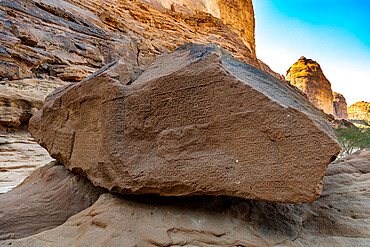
<point>335,33</point>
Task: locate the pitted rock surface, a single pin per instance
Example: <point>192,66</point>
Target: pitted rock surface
<point>196,121</point>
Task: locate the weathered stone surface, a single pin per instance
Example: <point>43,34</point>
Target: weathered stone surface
<point>340,106</point>
<point>38,37</point>
<point>66,40</point>
<point>359,111</point>
<point>307,75</point>
<point>46,199</point>
<point>20,99</point>
<point>341,217</point>
<point>196,121</point>
<point>19,156</point>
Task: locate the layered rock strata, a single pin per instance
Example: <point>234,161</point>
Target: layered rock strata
<point>340,106</point>
<point>194,113</point>
<point>339,218</point>
<point>307,75</point>
<point>46,199</point>
<point>359,111</point>
<point>47,42</point>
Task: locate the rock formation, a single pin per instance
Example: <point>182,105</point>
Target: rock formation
<point>47,42</point>
<point>340,106</point>
<point>339,218</point>
<point>307,75</point>
<point>193,112</point>
<point>20,99</point>
<point>46,199</point>
<point>359,111</point>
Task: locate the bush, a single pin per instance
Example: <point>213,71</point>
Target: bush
<point>353,139</point>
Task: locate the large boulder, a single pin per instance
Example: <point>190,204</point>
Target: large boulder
<point>45,200</point>
<point>196,121</point>
<point>340,217</point>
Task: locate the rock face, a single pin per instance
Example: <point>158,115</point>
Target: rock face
<point>307,75</point>
<point>48,42</point>
<point>196,121</point>
<point>340,106</point>
<point>359,111</point>
<point>20,99</point>
<point>69,40</point>
<point>46,199</point>
<point>339,218</point>
<point>20,155</point>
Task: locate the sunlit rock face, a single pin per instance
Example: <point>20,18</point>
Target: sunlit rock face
<point>307,75</point>
<point>238,15</point>
<point>46,43</point>
<point>359,111</point>
<point>340,106</point>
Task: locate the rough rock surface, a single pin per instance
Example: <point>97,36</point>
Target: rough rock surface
<point>46,199</point>
<point>359,111</point>
<point>341,217</point>
<point>53,42</point>
<point>19,156</point>
<point>307,75</point>
<point>70,39</point>
<point>340,106</point>
<point>20,99</point>
<point>194,113</point>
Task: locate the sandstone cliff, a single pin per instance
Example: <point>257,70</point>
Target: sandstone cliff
<point>340,106</point>
<point>307,75</point>
<point>359,111</point>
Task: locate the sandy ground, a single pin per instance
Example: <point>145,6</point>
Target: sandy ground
<point>19,156</point>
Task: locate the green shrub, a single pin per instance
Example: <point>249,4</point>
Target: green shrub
<point>353,139</point>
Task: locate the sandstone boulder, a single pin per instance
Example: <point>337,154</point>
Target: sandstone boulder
<point>46,199</point>
<point>307,75</point>
<point>339,218</point>
<point>196,121</point>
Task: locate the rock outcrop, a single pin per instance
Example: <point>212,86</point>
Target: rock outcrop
<point>45,200</point>
<point>20,99</point>
<point>339,218</point>
<point>307,75</point>
<point>359,111</point>
<point>340,106</point>
<point>50,42</point>
<point>193,113</point>
<point>69,40</point>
